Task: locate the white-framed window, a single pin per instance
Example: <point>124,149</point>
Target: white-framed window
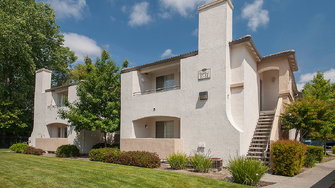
<point>62,132</point>
<point>61,98</point>
<point>165,82</point>
<point>164,129</point>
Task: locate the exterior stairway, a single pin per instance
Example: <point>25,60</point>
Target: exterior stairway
<point>259,145</point>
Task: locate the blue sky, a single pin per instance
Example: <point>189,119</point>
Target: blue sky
<point>144,31</point>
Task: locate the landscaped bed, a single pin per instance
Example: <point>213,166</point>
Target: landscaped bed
<point>20,170</point>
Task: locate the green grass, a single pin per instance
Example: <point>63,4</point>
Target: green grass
<point>20,170</point>
<point>4,149</point>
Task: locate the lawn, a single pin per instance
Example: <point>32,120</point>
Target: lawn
<point>4,149</point>
<point>20,170</point>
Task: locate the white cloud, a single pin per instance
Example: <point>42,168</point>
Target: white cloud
<point>167,53</point>
<point>183,7</point>
<point>81,45</point>
<point>139,15</point>
<point>68,8</point>
<point>305,78</point>
<point>256,15</point>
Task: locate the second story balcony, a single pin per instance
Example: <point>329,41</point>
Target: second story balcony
<point>160,78</point>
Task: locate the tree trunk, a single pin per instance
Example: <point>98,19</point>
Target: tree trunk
<point>325,146</point>
<point>296,135</point>
<point>105,136</point>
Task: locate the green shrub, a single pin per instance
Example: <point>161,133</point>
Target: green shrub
<point>33,151</point>
<point>100,154</point>
<point>113,156</point>
<point>201,163</point>
<point>178,161</point>
<point>102,145</point>
<point>309,161</point>
<point>19,147</point>
<point>139,158</point>
<point>287,157</point>
<point>67,151</point>
<point>316,151</point>
<point>246,171</point>
<point>333,149</point>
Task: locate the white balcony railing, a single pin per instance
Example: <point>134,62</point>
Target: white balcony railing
<point>158,90</point>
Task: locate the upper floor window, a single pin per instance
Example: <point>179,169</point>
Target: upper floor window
<point>165,82</point>
<point>62,98</point>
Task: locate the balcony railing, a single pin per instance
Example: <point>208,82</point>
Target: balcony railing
<point>158,90</point>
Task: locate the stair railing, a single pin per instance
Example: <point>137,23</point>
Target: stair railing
<point>275,128</point>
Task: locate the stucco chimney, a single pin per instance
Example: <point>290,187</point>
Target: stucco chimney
<point>215,24</point>
<point>43,80</point>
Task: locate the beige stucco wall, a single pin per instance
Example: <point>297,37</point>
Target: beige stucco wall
<point>46,113</point>
<point>163,147</point>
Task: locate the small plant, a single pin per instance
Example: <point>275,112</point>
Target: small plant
<point>19,147</point>
<point>33,151</point>
<point>288,157</point>
<point>100,154</point>
<point>67,151</point>
<point>139,158</point>
<point>178,161</point>
<point>201,163</point>
<point>246,171</point>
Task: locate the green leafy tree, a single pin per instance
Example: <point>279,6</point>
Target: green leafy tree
<point>29,40</point>
<point>98,105</point>
<point>299,115</point>
<point>320,88</point>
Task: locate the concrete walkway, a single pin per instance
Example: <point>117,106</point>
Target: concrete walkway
<point>321,176</point>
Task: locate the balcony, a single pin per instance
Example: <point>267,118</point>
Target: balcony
<point>157,79</point>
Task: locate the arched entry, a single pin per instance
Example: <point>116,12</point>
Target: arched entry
<point>57,130</point>
<point>269,89</point>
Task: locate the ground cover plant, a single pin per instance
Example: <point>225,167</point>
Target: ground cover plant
<point>18,170</point>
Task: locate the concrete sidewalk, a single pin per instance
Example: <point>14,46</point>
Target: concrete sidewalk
<point>321,176</point>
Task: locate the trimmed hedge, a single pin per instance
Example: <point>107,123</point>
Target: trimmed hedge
<point>131,158</point>
<point>67,151</point>
<point>178,161</point>
<point>316,151</point>
<point>102,145</point>
<point>139,158</point>
<point>246,171</point>
<point>288,157</point>
<point>19,147</point>
<point>100,154</point>
<point>33,151</point>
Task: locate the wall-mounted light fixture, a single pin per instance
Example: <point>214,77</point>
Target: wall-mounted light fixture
<point>146,126</point>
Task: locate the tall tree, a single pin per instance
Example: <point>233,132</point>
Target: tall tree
<point>98,104</point>
<point>29,40</point>
<point>320,88</point>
